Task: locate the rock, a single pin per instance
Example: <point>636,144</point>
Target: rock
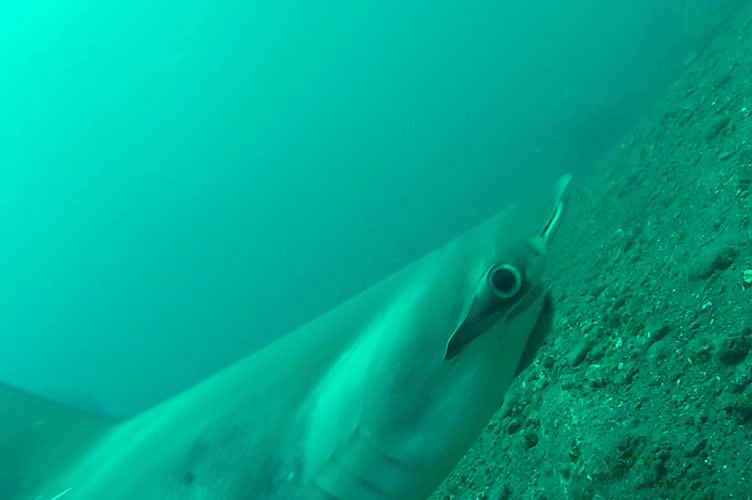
<point>717,256</point>
<point>734,349</point>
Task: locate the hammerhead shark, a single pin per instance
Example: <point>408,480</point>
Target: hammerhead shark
<point>377,399</point>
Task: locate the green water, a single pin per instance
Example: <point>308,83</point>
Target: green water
<point>184,181</point>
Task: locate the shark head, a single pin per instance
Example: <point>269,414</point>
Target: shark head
<point>404,403</point>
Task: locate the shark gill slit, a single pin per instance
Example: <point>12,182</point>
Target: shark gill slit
<point>397,463</point>
<point>335,463</point>
<point>358,479</point>
<point>323,492</point>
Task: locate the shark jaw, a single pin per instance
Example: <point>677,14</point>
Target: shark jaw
<point>377,399</point>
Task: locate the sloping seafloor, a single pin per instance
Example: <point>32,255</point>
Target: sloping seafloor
<point>644,387</point>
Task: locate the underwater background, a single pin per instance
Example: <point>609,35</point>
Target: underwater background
<point>183,182</point>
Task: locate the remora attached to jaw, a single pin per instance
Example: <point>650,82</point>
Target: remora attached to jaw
<point>504,281</point>
<point>378,399</point>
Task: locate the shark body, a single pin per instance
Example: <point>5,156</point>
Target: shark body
<point>377,399</point>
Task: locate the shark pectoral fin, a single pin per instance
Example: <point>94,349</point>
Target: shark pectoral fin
<point>38,438</point>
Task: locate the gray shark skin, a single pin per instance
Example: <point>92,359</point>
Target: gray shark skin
<point>378,399</point>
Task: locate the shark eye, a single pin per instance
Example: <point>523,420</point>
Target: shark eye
<point>505,281</point>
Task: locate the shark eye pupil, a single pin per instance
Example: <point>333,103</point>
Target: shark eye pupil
<point>505,281</point>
